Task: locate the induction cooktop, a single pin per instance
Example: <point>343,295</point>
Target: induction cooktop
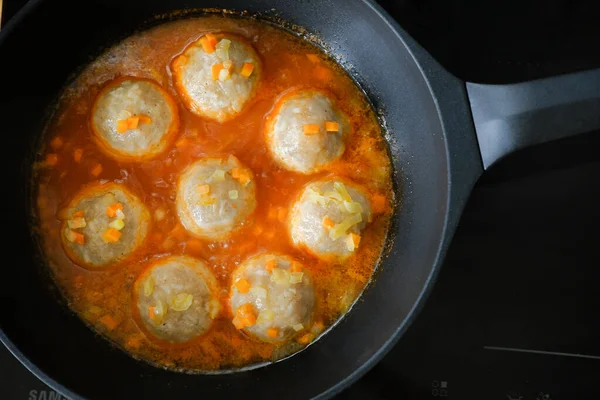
<point>513,315</point>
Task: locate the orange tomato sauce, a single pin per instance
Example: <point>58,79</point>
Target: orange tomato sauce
<point>69,159</point>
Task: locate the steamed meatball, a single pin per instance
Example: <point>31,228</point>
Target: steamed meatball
<point>217,75</point>
<point>177,298</point>
<point>272,298</point>
<point>104,224</point>
<point>328,217</point>
<point>305,131</point>
<point>134,119</point>
<point>215,196</point>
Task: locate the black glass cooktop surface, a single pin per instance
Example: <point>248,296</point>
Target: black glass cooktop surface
<point>513,315</point>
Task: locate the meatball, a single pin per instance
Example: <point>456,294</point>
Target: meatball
<point>305,131</point>
<point>328,217</point>
<point>134,119</point>
<point>217,75</point>
<point>103,225</point>
<point>215,196</point>
<point>272,298</point>
<point>177,298</point>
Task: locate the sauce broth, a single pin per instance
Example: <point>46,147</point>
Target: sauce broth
<point>103,298</point>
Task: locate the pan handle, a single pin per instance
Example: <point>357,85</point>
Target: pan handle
<point>511,117</point>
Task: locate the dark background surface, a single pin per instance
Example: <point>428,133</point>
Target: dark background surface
<point>523,269</point>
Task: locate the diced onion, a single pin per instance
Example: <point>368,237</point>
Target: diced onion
<point>353,207</point>
<point>214,308</point>
<point>259,292</point>
<point>148,286</point>
<point>223,75</point>
<point>298,327</point>
<point>280,276</point>
<point>296,277</point>
<point>119,213</point>
<point>218,176</point>
<point>181,301</point>
<point>233,194</point>
<point>118,224</point>
<point>159,214</point>
<point>70,235</point>
<point>222,49</point>
<point>265,316</point>
<point>340,229</point>
<point>341,189</point>
<point>160,312</point>
<point>336,196</point>
<point>76,223</point>
<point>207,200</point>
<point>315,197</point>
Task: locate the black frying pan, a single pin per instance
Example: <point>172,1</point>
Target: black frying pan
<point>443,134</point>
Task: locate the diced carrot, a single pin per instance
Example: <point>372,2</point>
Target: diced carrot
<point>178,233</point>
<point>242,285</point>
<point>244,310</point>
<point>56,143</point>
<point>111,235</point>
<point>240,175</point>
<point>111,210</point>
<point>281,214</point>
<point>133,122</point>
<point>134,342</point>
<point>311,129</point>
<point>78,214</point>
<point>145,119</point>
<point>249,320</point>
<point>313,58</point>
<point>51,159</point>
<point>109,322</point>
<point>318,326</point>
<point>331,126</point>
<point>194,246</point>
<point>77,154</point>
<point>179,62</point>
<point>246,314</point>
<point>355,239</point>
<point>96,169</point>
<point>272,332</point>
<point>247,70</point>
<point>216,70</point>
<point>296,266</point>
<point>209,43</point>
<point>271,263</point>
<point>212,39</point>
<point>152,312</point>
<point>238,323</point>
<point>306,338</point>
<point>122,125</point>
<point>244,177</point>
<point>181,143</point>
<point>379,203</point>
<point>323,74</point>
<point>79,238</point>
<point>328,223</point>
<point>203,189</point>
